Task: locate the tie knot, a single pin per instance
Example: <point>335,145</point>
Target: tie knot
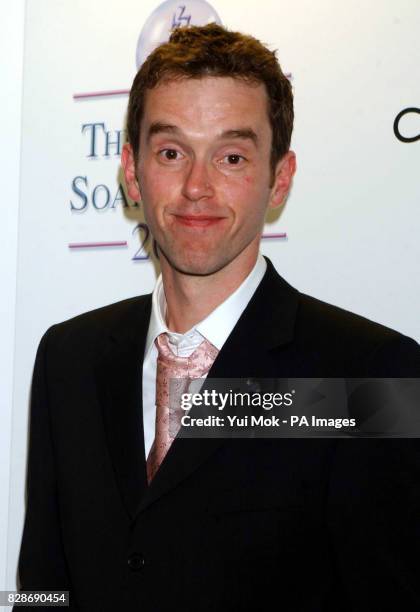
<point>195,366</point>
<point>164,348</point>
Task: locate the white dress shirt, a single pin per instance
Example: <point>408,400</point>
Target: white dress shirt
<point>215,328</point>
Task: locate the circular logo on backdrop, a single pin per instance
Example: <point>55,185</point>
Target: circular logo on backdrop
<point>168,16</point>
<point>406,112</point>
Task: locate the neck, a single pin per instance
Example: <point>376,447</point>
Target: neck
<point>190,299</point>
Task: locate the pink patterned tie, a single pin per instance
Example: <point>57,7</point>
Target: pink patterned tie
<point>168,405</point>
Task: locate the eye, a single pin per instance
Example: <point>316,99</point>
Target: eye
<point>233,159</point>
<point>170,154</point>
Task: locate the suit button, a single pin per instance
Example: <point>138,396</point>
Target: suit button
<point>136,562</point>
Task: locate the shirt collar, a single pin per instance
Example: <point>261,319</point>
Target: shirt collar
<point>217,326</point>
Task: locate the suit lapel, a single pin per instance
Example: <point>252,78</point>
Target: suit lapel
<point>266,324</point>
<point>119,383</point>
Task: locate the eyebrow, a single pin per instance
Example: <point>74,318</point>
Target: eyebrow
<point>241,133</point>
<point>159,128</point>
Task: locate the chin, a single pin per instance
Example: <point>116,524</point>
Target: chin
<point>199,265</point>
<point>196,269</point>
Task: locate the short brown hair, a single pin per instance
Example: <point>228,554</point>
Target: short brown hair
<point>212,50</point>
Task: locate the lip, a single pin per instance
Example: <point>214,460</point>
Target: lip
<point>198,220</point>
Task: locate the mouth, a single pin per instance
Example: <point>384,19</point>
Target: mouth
<point>198,220</point>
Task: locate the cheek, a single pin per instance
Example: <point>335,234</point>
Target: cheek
<point>158,188</point>
<point>248,196</point>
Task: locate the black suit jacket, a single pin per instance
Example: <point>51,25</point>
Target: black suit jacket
<point>227,525</point>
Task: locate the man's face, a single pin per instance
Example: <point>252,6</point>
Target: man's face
<point>203,172</point>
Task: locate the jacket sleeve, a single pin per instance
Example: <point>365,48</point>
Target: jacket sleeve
<point>374,506</point>
<point>374,525</point>
<point>42,563</point>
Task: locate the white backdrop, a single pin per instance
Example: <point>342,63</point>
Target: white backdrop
<point>352,219</point>
<point>11,47</point>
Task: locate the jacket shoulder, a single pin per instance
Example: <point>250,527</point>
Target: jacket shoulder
<point>363,344</point>
<point>99,323</point>
<point>332,319</point>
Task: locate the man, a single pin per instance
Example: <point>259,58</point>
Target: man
<point>127,518</point>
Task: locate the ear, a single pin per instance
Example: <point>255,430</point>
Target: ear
<point>283,176</point>
<point>128,164</point>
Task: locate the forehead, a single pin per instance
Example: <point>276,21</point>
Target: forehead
<point>208,104</point>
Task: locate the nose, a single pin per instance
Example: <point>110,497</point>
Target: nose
<point>197,183</point>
